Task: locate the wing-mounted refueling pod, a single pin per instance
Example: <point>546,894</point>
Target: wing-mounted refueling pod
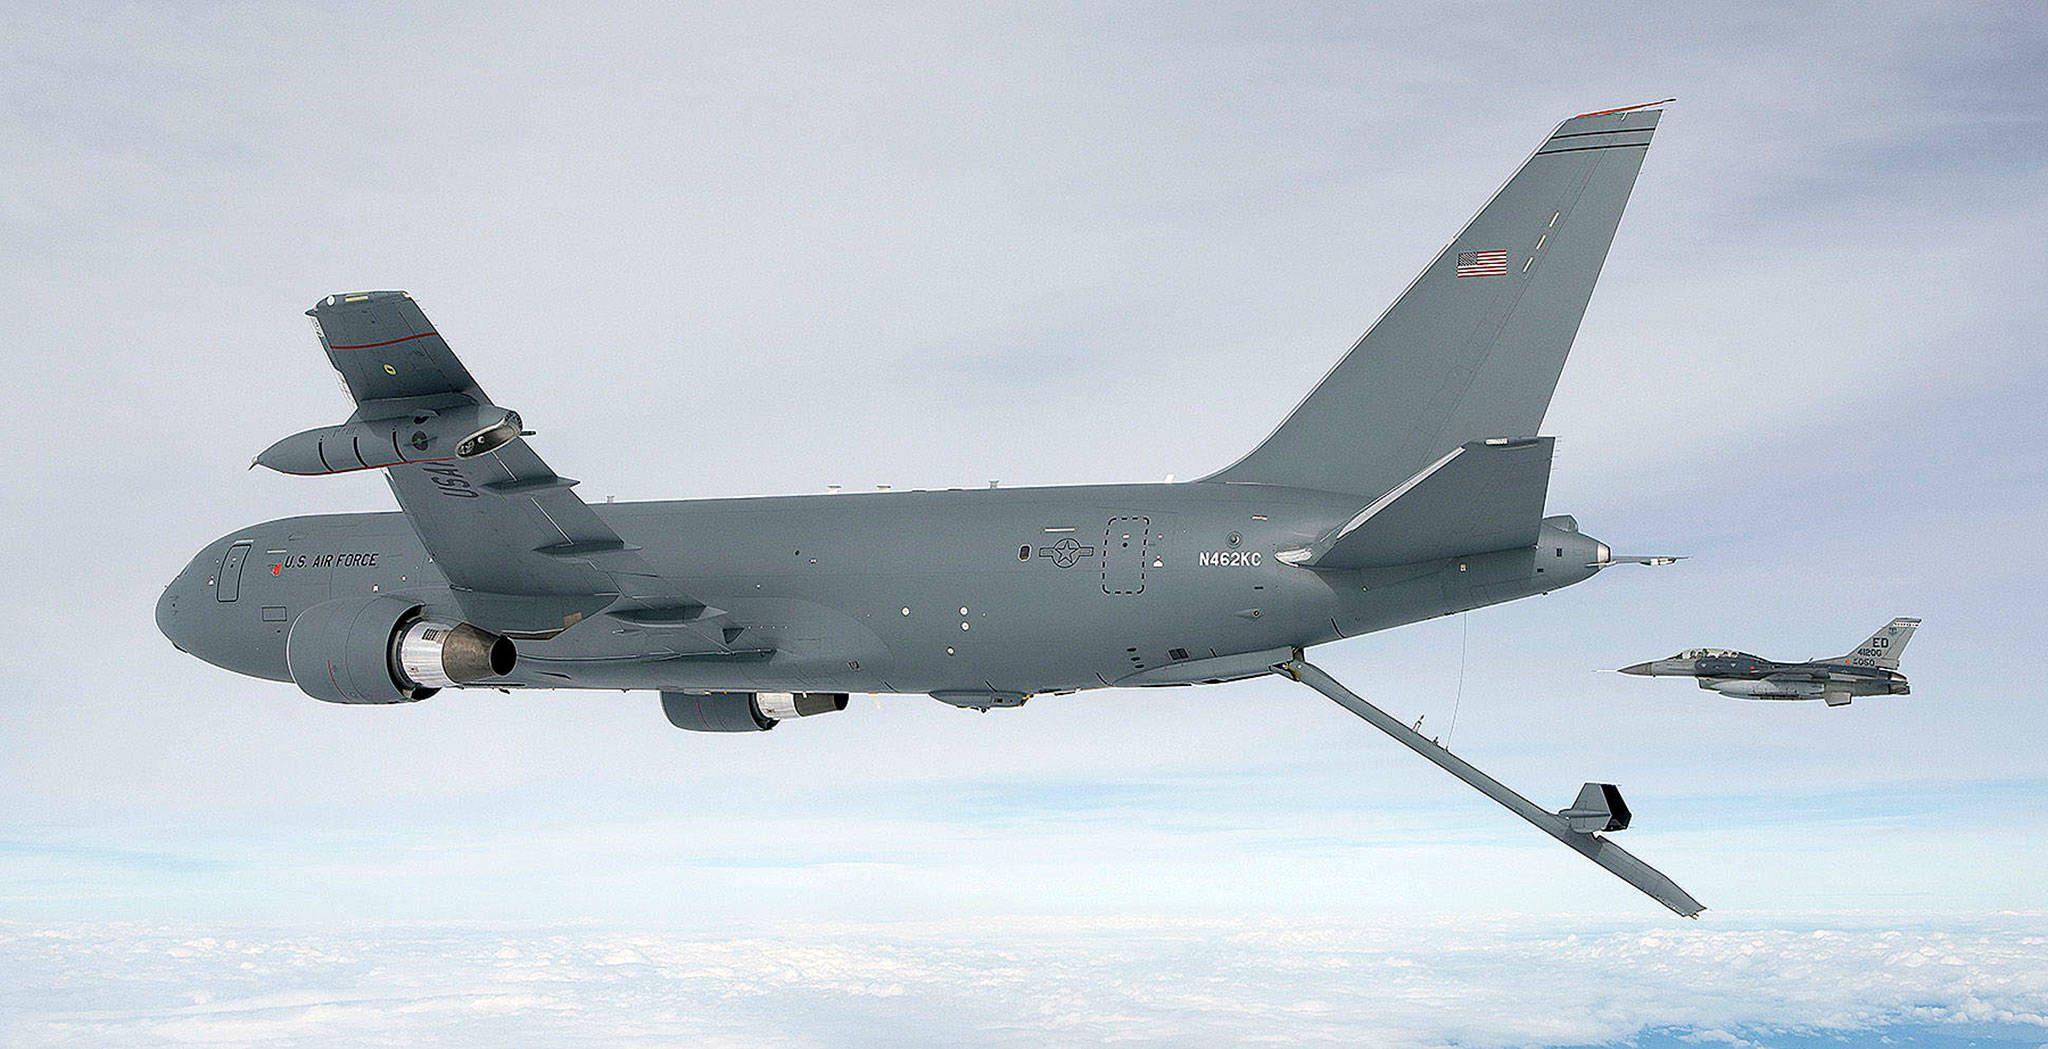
<point>415,402</point>
<point>426,435</point>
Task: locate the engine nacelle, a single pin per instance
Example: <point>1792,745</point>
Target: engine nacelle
<point>744,711</point>
<point>423,436</point>
<point>382,650</point>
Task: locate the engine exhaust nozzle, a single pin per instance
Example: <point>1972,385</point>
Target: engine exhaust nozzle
<point>438,655</point>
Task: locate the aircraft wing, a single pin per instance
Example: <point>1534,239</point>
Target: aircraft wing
<point>524,554</point>
<point>385,349</point>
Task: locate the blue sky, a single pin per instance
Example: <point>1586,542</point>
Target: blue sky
<point>915,247</point>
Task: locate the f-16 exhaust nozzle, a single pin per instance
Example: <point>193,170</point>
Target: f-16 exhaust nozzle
<point>423,436</point>
<point>438,655</point>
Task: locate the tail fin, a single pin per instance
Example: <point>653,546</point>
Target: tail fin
<point>1884,647</point>
<point>1473,348</point>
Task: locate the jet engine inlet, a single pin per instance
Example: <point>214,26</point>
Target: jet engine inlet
<point>438,655</point>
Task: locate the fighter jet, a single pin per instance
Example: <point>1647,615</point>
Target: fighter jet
<point>1870,669</point>
<point>1409,484</point>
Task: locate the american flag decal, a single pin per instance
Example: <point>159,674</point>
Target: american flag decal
<point>1482,264</point>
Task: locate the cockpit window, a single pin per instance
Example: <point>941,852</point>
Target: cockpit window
<point>1704,653</point>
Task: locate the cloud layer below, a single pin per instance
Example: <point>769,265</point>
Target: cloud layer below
<point>1030,982</point>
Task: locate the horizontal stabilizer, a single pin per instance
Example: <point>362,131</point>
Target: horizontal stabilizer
<point>1483,496</point>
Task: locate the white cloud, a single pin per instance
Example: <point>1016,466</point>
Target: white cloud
<point>1016,981</point>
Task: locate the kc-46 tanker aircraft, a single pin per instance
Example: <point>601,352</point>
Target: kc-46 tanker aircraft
<point>1409,484</point>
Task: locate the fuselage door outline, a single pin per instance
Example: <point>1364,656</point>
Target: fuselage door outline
<point>228,585</point>
<point>1124,552</point>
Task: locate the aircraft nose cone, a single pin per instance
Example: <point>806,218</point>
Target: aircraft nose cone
<point>1640,670</point>
<point>168,611</point>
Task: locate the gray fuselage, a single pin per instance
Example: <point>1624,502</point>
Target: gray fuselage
<point>961,592</point>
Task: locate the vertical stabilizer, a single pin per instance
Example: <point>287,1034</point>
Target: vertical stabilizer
<point>1473,348</point>
<point>1884,647</point>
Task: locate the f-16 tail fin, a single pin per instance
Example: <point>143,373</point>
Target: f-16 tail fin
<point>1473,348</point>
<point>1884,647</point>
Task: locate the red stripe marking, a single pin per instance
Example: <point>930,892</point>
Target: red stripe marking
<point>1624,109</point>
<point>386,342</point>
